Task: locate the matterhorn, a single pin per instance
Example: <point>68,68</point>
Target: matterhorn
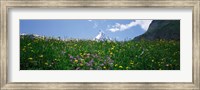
<point>100,36</point>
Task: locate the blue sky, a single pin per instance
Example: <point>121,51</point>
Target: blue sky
<point>85,29</point>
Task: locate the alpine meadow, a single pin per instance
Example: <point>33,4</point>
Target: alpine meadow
<point>100,45</point>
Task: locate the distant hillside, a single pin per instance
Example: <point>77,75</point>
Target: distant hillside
<point>162,29</point>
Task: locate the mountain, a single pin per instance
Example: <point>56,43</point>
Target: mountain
<point>100,36</point>
<point>162,29</point>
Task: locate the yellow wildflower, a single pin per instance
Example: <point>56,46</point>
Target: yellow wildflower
<point>46,63</point>
<point>112,48</point>
<point>120,66</point>
<point>81,64</point>
<point>127,68</point>
<point>116,65</point>
<point>76,61</point>
<point>30,58</point>
<point>29,44</point>
<point>131,62</point>
<point>41,56</point>
<point>104,67</point>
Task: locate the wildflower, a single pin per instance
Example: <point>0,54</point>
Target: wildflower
<point>77,56</point>
<point>91,61</point>
<point>111,64</point>
<point>167,65</point>
<point>77,68</point>
<point>82,60</point>
<point>84,53</point>
<point>88,54</point>
<point>70,56</point>
<point>102,64</point>
<point>63,52</point>
<point>30,58</point>
<point>131,62</point>
<point>76,61</point>
<point>104,67</point>
<point>87,64</point>
<point>116,65</point>
<point>32,50</point>
<point>81,64</point>
<point>120,66</point>
<point>95,55</point>
<point>112,48</point>
<point>36,40</point>
<point>29,44</point>
<point>127,68</point>
<point>142,53</point>
<point>41,56</point>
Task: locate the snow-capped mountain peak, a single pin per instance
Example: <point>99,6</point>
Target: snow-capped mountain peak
<point>100,36</point>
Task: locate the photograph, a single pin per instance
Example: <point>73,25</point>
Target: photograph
<point>99,44</point>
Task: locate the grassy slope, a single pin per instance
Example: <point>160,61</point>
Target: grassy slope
<point>51,54</point>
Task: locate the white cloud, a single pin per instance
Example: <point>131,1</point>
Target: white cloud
<point>144,24</point>
<point>108,26</point>
<point>95,25</point>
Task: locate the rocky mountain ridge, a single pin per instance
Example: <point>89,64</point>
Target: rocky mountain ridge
<point>162,29</point>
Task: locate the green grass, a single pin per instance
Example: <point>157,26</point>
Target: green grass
<point>52,54</point>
